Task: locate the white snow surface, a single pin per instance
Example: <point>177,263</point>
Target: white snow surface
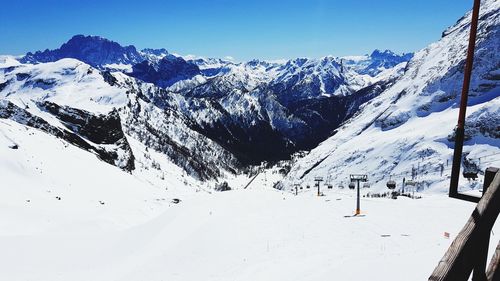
<point>68,216</point>
<point>110,225</point>
<point>66,82</point>
<point>8,61</point>
<point>44,167</point>
<point>125,68</point>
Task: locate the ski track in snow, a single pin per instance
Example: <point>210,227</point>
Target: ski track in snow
<point>65,215</point>
<point>257,233</point>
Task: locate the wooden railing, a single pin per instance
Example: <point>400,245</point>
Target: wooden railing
<point>469,250</point>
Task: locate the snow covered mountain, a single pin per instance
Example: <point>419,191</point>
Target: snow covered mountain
<point>109,161</point>
<point>375,63</point>
<point>407,130</point>
<point>101,112</point>
<point>166,71</point>
<point>266,111</point>
<point>284,107</point>
<point>93,50</point>
<point>252,111</point>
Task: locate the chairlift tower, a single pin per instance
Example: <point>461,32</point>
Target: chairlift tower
<point>296,188</point>
<point>358,178</point>
<point>318,180</point>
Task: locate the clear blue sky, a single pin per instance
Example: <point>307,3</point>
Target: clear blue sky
<point>265,29</point>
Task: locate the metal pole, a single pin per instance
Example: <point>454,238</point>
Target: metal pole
<point>460,130</point>
<point>358,209</point>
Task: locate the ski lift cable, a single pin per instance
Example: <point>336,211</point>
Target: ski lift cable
<point>490,161</point>
<point>483,156</point>
<point>437,170</point>
<point>438,155</point>
<point>489,155</point>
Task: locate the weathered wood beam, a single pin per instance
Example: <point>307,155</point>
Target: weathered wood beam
<point>459,260</point>
<point>493,272</point>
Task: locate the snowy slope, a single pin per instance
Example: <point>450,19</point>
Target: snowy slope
<point>100,112</point>
<point>217,238</point>
<point>148,210</point>
<point>93,195</point>
<point>65,82</point>
<point>67,216</point>
<point>410,125</point>
<point>7,61</point>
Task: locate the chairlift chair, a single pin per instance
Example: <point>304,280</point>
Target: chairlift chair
<point>352,185</point>
<point>391,184</point>
<point>366,185</point>
<point>470,175</point>
<point>410,182</point>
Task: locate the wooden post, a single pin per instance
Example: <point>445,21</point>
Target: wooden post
<point>460,259</point>
<point>493,273</point>
<point>489,175</point>
<point>483,243</point>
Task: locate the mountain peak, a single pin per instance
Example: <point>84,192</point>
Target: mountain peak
<point>378,52</point>
<point>156,52</point>
<point>389,54</point>
<point>94,50</point>
<point>79,37</point>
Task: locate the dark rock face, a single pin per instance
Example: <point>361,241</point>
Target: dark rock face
<point>93,50</point>
<point>83,127</point>
<point>326,114</point>
<point>167,131</point>
<point>109,78</point>
<point>166,72</point>
<point>254,137</point>
<point>250,144</point>
<point>99,52</point>
<point>3,85</point>
<point>101,129</point>
<point>485,124</point>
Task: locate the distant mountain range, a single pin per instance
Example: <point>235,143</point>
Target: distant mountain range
<point>284,107</point>
<point>212,116</point>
